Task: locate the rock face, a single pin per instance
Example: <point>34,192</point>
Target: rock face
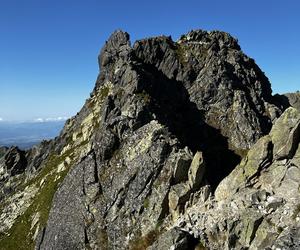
<point>180,146</point>
<point>12,162</point>
<point>294,99</point>
<point>227,87</point>
<point>15,161</point>
<point>257,205</point>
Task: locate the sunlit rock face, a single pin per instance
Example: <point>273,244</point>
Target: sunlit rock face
<point>181,145</point>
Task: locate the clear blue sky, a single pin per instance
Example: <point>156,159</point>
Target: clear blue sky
<point>48,49</point>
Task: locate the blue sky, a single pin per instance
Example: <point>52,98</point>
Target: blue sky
<point>48,49</point>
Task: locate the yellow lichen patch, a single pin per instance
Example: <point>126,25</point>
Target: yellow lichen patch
<point>17,204</point>
<point>92,120</point>
<point>145,143</point>
<point>37,194</point>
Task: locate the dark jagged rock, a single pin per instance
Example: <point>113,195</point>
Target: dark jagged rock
<point>287,100</point>
<point>36,155</point>
<point>142,164</point>
<point>15,161</point>
<point>227,86</point>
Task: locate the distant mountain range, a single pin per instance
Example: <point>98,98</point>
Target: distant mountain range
<point>27,134</point>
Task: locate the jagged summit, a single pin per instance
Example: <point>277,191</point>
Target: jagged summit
<point>175,138</point>
<point>212,69</point>
<point>117,43</point>
<point>201,37</point>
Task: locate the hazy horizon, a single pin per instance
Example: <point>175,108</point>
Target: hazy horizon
<point>26,134</point>
<point>49,49</point>
<point>34,120</point>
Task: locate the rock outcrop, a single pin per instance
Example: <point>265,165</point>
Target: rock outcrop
<point>12,162</point>
<point>181,145</point>
<point>294,99</point>
<point>257,205</point>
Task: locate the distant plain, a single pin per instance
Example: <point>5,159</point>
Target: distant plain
<point>27,134</point>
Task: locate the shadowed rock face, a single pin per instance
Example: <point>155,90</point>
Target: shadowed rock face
<point>15,161</point>
<point>141,164</point>
<point>227,86</point>
<point>12,162</point>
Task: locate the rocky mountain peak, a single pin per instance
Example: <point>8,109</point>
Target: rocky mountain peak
<point>174,139</point>
<point>115,47</point>
<point>213,38</point>
<point>211,68</point>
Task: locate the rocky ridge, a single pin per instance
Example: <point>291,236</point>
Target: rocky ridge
<point>181,145</point>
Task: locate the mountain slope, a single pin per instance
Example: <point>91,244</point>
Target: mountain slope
<point>165,124</point>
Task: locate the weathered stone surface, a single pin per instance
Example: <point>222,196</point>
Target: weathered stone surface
<point>196,171</point>
<point>223,82</point>
<point>285,134</point>
<point>259,156</point>
<point>143,163</point>
<point>178,196</point>
<point>257,205</point>
<point>70,215</point>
